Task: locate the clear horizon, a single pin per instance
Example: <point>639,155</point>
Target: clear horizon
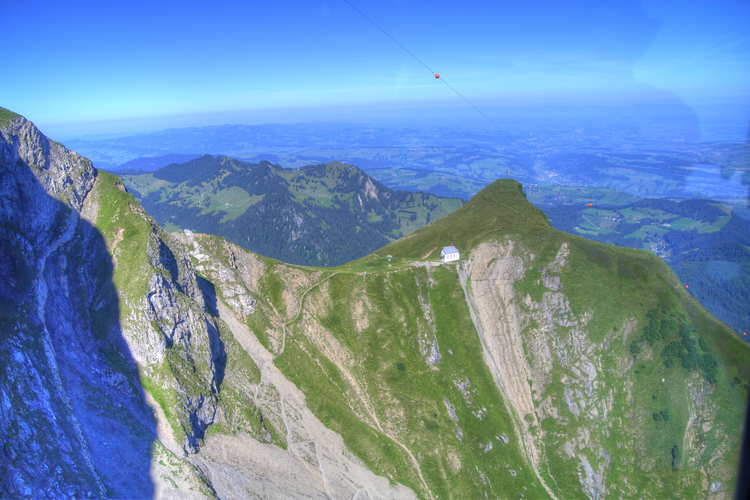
<point>104,68</point>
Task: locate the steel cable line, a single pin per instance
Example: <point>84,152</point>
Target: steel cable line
<point>437,75</point>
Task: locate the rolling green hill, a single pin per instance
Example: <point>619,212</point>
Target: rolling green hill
<point>319,215</point>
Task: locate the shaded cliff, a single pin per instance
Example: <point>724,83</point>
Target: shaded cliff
<point>116,364</point>
<point>74,418</point>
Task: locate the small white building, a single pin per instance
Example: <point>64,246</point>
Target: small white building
<point>449,253</point>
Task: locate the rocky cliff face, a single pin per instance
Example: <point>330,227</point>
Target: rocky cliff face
<point>143,364</point>
<point>57,381</point>
<point>98,304</point>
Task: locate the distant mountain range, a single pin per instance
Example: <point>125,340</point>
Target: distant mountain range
<point>319,215</point>
<point>647,156</point>
<point>150,164</point>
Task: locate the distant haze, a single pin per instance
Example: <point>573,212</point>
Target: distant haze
<point>136,67</point>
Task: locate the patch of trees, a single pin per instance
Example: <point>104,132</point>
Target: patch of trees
<point>700,210</point>
<point>730,243</point>
<point>662,415</point>
<point>686,350</point>
<point>683,347</point>
<point>676,456</point>
<point>738,382</point>
<point>564,217</point>
<point>717,268</point>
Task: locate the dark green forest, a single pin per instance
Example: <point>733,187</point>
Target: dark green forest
<point>320,215</point>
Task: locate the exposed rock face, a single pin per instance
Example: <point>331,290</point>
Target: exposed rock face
<point>136,363</point>
<point>548,366</point>
<point>67,381</point>
<point>85,318</point>
<point>492,270</point>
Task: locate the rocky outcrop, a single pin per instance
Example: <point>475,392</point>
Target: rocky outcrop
<point>98,300</point>
<point>487,278</point>
<point>67,381</point>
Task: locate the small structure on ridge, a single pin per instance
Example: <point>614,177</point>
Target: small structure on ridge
<point>449,253</point>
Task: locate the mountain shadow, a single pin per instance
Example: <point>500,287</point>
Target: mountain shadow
<point>75,422</point>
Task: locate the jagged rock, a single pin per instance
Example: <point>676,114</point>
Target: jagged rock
<point>75,350</point>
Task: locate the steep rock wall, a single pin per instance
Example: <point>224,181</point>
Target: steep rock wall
<point>578,400</point>
<point>75,418</point>
<point>65,381</point>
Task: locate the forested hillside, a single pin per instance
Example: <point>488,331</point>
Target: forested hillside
<point>320,215</point>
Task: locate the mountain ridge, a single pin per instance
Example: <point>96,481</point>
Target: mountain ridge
<point>541,364</point>
<point>497,208</point>
<point>320,215</point>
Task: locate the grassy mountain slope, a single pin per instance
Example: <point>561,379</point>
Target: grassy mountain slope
<point>602,374</point>
<point>198,401</point>
<point>705,242</point>
<point>389,359</point>
<point>541,365</point>
<point>316,215</point>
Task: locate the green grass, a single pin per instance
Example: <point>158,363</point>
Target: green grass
<point>319,380</point>
<point>404,391</point>
<point>126,235</point>
<point>356,352</point>
<point>260,325</point>
<point>6,116</point>
<point>234,201</point>
<point>274,287</point>
<point>144,183</point>
<point>496,210</point>
<point>167,400</point>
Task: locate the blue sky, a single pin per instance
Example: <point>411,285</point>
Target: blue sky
<point>76,67</point>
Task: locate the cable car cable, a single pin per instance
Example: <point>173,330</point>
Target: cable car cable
<point>389,36</point>
<point>439,77</point>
